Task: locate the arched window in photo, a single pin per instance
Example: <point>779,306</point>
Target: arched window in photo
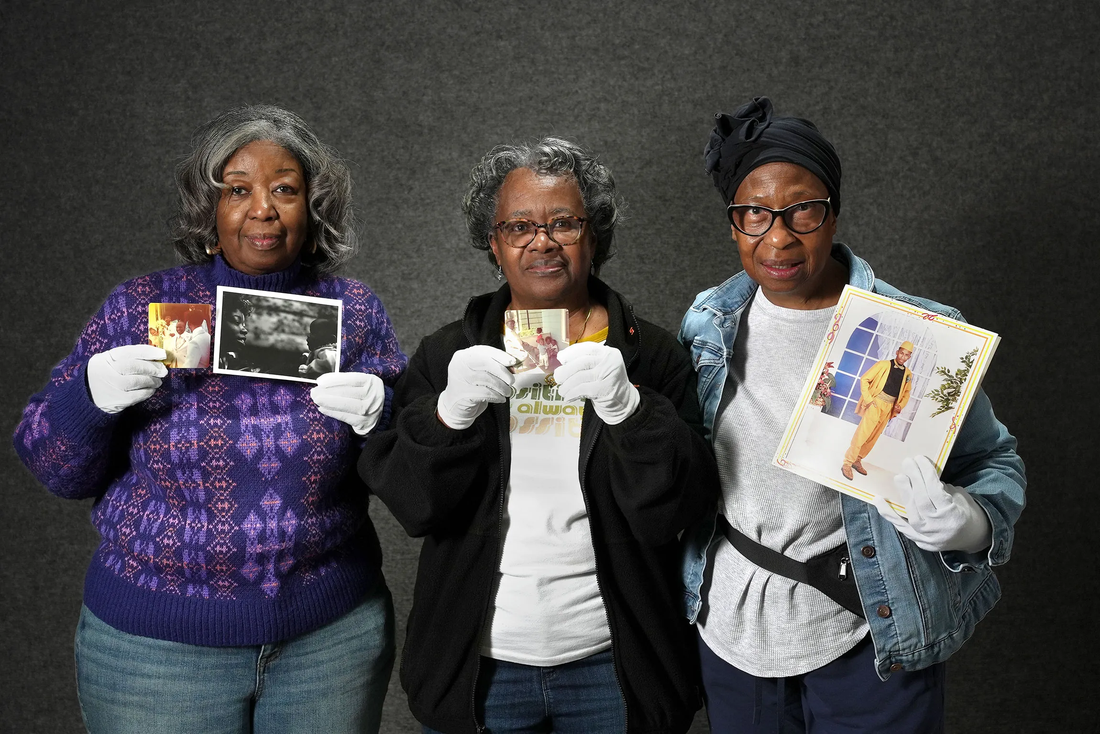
<point>877,338</point>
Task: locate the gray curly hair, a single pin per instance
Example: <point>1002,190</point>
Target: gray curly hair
<point>552,157</point>
<point>328,184</point>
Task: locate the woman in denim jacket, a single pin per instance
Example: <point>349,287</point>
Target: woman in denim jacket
<point>778,654</point>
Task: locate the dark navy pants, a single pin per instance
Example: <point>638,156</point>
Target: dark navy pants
<point>845,696</point>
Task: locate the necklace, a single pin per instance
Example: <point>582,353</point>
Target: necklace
<point>584,326</point>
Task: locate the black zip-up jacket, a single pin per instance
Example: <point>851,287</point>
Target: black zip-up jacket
<point>643,481</point>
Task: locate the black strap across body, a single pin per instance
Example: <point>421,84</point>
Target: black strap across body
<point>830,572</point>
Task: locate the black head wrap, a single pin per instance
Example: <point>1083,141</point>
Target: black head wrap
<point>753,136</point>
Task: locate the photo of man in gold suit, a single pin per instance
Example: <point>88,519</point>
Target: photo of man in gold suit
<point>884,392</point>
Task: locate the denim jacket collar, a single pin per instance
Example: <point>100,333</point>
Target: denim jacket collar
<point>710,326</point>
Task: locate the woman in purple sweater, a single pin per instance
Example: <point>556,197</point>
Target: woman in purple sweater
<point>237,585</point>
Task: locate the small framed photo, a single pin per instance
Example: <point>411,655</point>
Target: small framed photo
<point>534,337</point>
<point>182,330</point>
<point>890,381</point>
<point>276,335</point>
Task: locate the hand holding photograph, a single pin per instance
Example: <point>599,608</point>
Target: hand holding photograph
<point>276,335</point>
<point>890,381</point>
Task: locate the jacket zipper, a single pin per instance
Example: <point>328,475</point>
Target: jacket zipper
<point>485,609</point>
<point>596,567</point>
<point>595,564</point>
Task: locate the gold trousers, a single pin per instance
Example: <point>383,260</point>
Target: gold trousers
<point>875,418</point>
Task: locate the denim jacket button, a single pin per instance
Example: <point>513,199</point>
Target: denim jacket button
<point>868,551</point>
<point>896,667</point>
<point>884,611</point>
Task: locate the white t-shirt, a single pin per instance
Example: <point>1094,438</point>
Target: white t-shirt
<point>548,609</point>
<point>765,624</point>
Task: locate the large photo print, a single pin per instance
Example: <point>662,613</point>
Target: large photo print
<point>276,335</point>
<point>890,381</point>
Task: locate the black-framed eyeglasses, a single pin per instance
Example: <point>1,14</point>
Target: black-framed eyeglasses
<point>801,218</point>
<point>522,232</point>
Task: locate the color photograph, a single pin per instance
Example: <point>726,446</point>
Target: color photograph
<point>534,337</point>
<point>891,381</point>
<point>182,330</point>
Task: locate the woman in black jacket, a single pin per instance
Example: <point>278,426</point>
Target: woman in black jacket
<point>550,504</point>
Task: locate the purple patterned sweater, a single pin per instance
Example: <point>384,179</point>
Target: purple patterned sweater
<point>229,508</point>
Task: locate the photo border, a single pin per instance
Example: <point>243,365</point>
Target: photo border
<point>329,302</point>
<point>989,342</point>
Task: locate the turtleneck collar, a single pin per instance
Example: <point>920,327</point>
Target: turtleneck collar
<point>284,281</point>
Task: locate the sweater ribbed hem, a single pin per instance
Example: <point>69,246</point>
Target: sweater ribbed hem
<point>258,620</point>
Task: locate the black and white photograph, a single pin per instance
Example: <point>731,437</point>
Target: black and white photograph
<point>280,336</point>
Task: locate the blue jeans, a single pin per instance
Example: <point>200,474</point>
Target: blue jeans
<point>330,680</point>
<point>581,697</point>
<point>845,696</point>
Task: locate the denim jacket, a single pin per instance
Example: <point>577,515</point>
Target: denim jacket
<point>920,606</point>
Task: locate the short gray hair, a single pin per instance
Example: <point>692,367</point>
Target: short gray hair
<point>549,157</point>
<point>328,184</point>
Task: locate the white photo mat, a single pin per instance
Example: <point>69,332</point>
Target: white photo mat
<point>281,324</point>
<point>866,328</point>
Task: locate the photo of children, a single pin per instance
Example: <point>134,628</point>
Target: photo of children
<point>276,335</point>
<point>890,381</point>
<point>534,338</point>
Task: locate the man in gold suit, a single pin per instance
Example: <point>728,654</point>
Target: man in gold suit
<point>884,392</point>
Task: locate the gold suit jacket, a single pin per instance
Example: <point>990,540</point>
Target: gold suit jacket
<point>874,379</point>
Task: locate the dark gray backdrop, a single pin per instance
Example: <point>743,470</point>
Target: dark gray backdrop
<point>967,131</point>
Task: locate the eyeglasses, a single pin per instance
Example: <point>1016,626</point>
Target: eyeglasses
<point>522,232</point>
<point>801,218</point>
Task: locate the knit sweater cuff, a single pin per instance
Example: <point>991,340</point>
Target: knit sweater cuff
<point>75,416</point>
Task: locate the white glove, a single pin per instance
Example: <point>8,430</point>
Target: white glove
<point>124,376</point>
<point>942,517</point>
<point>596,371</point>
<point>356,398</point>
<point>475,377</point>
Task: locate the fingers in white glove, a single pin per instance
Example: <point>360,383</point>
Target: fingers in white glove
<point>597,372</point>
<point>356,398</point>
<point>891,515</point>
<point>941,517</point>
<point>476,376</point>
<point>125,376</point>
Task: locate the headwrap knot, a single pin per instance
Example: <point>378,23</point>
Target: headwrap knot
<point>753,136</point>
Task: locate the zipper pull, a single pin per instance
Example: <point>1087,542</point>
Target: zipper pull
<point>843,575</point>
